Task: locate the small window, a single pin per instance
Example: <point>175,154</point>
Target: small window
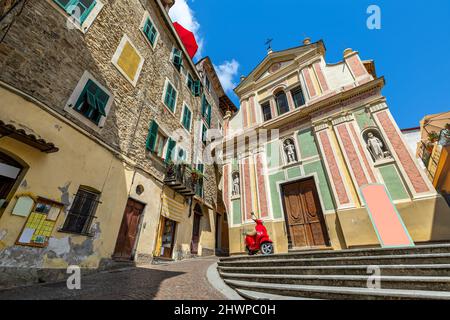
<point>156,140</point>
<point>282,103</point>
<point>187,117</point>
<point>78,9</point>
<point>190,82</point>
<point>150,32</point>
<point>197,88</point>
<point>170,97</point>
<point>267,112</point>
<point>206,111</point>
<point>207,83</point>
<point>204,134</point>
<point>82,212</point>
<point>92,102</point>
<point>199,185</point>
<point>181,156</point>
<point>177,58</point>
<point>298,97</point>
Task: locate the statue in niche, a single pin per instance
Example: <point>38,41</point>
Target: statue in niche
<point>236,185</point>
<point>376,147</point>
<point>289,149</point>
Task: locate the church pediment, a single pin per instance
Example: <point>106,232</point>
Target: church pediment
<point>276,61</point>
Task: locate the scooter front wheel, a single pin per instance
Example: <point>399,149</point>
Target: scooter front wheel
<point>267,248</point>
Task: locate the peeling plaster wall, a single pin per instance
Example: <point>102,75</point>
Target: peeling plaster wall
<point>57,177</point>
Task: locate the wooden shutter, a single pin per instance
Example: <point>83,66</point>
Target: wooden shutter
<point>152,134</point>
<point>208,116</point>
<point>170,147</point>
<point>177,58</point>
<point>197,88</point>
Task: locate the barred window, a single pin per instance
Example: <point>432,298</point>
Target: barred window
<point>82,212</point>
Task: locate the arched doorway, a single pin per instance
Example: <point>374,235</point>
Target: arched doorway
<point>10,171</point>
<point>198,213</point>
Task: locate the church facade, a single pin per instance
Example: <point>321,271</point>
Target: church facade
<point>309,139</point>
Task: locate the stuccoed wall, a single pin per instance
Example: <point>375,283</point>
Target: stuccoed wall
<point>45,59</point>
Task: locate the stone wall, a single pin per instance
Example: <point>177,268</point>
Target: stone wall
<point>43,58</point>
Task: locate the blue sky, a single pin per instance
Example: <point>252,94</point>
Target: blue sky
<point>411,50</point>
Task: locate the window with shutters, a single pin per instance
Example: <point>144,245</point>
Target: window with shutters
<point>267,112</point>
<point>92,102</point>
<point>206,111</point>
<point>177,58</point>
<point>156,140</point>
<point>207,83</point>
<point>149,30</point>
<point>186,118</point>
<point>81,12</point>
<point>199,186</point>
<point>298,97</point>
<point>82,212</point>
<point>204,134</point>
<point>170,153</point>
<point>170,96</point>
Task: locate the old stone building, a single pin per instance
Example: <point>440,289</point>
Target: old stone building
<point>101,107</point>
<point>334,171</point>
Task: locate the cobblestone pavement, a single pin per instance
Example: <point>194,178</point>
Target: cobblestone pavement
<point>185,280</point>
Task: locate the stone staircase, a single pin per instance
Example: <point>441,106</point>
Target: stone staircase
<point>421,272</point>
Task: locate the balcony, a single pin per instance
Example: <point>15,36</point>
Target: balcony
<point>179,177</point>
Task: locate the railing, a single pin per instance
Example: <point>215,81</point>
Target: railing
<point>179,177</point>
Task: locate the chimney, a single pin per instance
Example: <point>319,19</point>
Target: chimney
<point>307,41</point>
<point>168,4</point>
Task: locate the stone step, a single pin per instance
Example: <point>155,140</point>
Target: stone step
<point>439,258</point>
<point>386,270</point>
<point>386,282</point>
<point>336,292</point>
<point>254,295</point>
<point>301,254</point>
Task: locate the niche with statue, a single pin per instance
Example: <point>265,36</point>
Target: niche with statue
<point>376,145</point>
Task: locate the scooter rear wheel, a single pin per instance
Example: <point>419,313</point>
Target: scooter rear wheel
<point>267,248</point>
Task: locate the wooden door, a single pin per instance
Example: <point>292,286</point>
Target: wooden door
<point>196,234</point>
<point>128,230</point>
<point>304,217</point>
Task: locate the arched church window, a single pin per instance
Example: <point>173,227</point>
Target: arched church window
<point>282,102</point>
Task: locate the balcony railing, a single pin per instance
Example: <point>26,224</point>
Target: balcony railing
<point>179,177</point>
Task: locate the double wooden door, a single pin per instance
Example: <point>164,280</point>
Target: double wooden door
<point>304,216</point>
<point>128,230</point>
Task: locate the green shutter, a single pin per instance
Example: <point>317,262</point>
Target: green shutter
<point>170,98</point>
<point>177,58</point>
<point>77,8</point>
<point>152,134</point>
<point>208,117</point>
<point>187,119</point>
<point>170,147</point>
<point>150,31</point>
<point>197,88</point>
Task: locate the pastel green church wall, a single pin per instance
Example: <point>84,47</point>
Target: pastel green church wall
<point>393,182</point>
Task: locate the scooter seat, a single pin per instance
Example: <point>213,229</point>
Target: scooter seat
<point>251,233</point>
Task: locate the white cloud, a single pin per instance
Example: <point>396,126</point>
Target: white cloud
<point>184,15</point>
<point>226,73</point>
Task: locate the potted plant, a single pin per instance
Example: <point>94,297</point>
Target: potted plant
<point>433,137</point>
<point>196,175</point>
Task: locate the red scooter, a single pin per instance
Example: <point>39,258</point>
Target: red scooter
<point>258,240</point>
